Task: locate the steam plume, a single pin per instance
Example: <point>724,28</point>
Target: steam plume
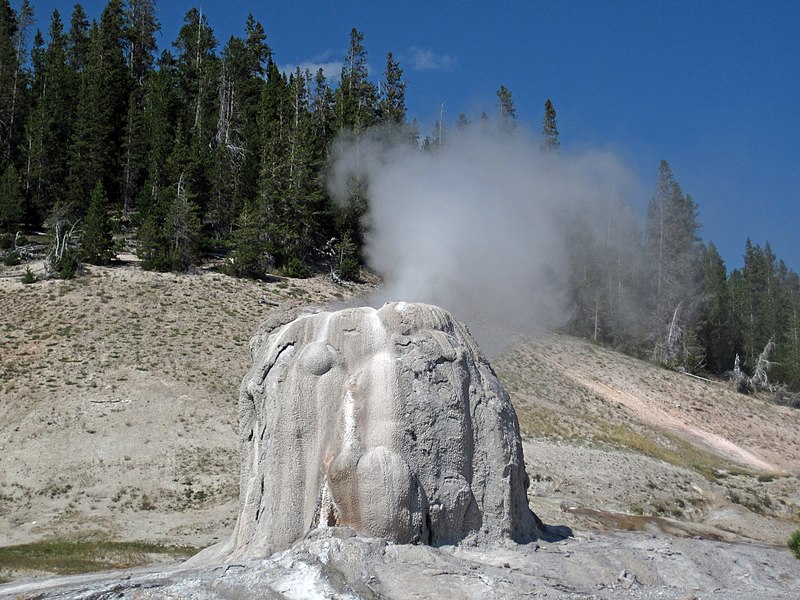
<point>478,226</point>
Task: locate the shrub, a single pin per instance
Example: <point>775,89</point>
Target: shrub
<point>11,259</point>
<point>786,397</point>
<point>344,259</point>
<point>794,544</point>
<point>67,266</point>
<point>295,268</point>
<point>350,269</point>
<point>248,260</point>
<point>28,277</point>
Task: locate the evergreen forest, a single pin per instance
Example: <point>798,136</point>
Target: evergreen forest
<point>207,150</point>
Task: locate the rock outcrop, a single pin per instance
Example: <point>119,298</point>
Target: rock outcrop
<point>390,422</point>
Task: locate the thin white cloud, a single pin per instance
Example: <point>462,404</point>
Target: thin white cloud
<point>423,59</point>
<point>332,70</point>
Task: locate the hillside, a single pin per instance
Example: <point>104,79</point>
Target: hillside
<point>118,416</point>
<point>623,444</point>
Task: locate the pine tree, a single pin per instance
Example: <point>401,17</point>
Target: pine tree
<point>17,111</point>
<point>356,97</point>
<point>35,79</point>
<point>32,144</point>
<point>759,318</point>
<point>97,138</point>
<point>393,102</point>
<point>97,244</point>
<point>13,104</point>
<point>197,71</point>
<point>673,263</point>
<point>241,80</point>
<point>274,174</point>
<point>787,335</point>
<point>251,254</point>
<point>605,273</point>
<point>322,114</point>
<point>79,39</point>
<point>48,129</point>
<point>159,116</point>
<point>309,217</point>
<point>142,26</point>
<point>714,322</point>
<point>183,228</point>
<point>232,145</point>
<point>506,108</point>
<point>141,46</point>
<point>169,238</point>
<point>11,206</point>
<point>197,76</point>
<point>259,52</point>
<point>153,245</point>
<point>738,301</point>
<point>550,141</point>
<point>258,56</point>
<point>9,67</point>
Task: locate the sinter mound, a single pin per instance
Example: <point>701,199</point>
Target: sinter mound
<point>390,422</point>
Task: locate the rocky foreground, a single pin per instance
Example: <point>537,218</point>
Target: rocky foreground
<point>334,563</point>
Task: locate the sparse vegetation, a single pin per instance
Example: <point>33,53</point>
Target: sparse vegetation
<point>794,544</point>
<point>28,277</point>
<point>664,446</point>
<point>67,557</point>
<point>11,259</point>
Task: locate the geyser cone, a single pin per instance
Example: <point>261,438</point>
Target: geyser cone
<point>390,422</point>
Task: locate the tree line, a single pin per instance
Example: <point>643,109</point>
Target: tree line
<point>194,151</point>
<point>658,291</point>
<point>190,151</point>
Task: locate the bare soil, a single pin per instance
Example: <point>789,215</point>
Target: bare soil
<point>616,443</point>
<point>118,411</point>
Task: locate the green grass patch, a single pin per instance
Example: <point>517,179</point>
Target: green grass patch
<point>67,557</point>
<point>676,451</point>
<point>794,544</point>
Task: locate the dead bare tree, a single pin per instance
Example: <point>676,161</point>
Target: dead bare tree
<point>61,245</point>
<point>334,257</point>
<point>229,132</point>
<point>668,351</point>
<point>739,378</point>
<point>759,380</point>
<point>337,251</point>
<point>21,250</point>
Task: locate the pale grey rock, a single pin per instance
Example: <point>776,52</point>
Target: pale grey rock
<point>335,563</point>
<point>390,422</point>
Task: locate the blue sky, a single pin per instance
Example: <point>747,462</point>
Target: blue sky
<point>711,86</point>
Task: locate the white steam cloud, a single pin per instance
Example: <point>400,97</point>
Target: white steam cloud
<point>480,226</point>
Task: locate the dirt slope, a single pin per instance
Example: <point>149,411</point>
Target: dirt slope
<point>614,441</point>
<point>118,401</point>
